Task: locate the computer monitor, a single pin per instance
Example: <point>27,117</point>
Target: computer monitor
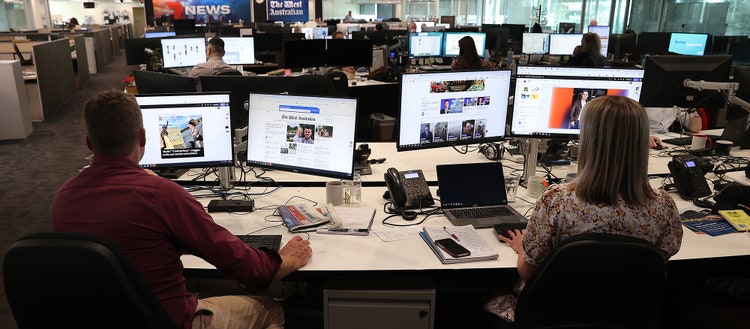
<point>515,30</point>
<point>308,31</point>
<point>425,44</point>
<point>184,26</point>
<point>305,134</point>
<point>452,108</point>
<point>186,130</point>
<point>267,42</point>
<point>742,76</point>
<point>535,43</point>
<point>342,52</point>
<point>663,80</point>
<point>623,46</point>
<point>603,32</point>
<point>183,52</point>
<point>239,50</point>
<point>544,96</point>
<point>423,23</point>
<point>161,83</point>
<point>163,34</point>
<point>566,27</point>
<point>693,44</point>
<point>304,53</point>
<point>450,43</point>
<point>135,50</point>
<point>378,37</point>
<point>653,43</point>
<point>320,32</point>
<point>496,40</point>
<point>563,44</point>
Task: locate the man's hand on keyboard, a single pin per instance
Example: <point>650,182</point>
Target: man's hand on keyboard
<point>295,254</point>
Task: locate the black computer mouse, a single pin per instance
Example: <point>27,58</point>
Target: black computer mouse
<point>659,146</point>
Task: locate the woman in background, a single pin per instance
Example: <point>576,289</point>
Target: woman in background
<point>589,53</point>
<point>468,58</point>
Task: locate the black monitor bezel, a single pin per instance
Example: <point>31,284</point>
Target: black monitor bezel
<point>656,68</point>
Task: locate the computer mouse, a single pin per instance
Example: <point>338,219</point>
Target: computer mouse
<point>658,146</point>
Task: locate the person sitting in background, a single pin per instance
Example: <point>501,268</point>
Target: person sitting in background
<point>612,179</point>
<point>215,64</point>
<point>589,53</point>
<point>155,221</point>
<point>73,24</point>
<point>660,119</point>
<point>337,35</point>
<point>467,59</point>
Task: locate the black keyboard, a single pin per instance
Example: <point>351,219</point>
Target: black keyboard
<point>481,212</point>
<point>502,228</point>
<point>679,141</point>
<point>270,241</point>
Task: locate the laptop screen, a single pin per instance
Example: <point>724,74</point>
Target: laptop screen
<point>475,184</point>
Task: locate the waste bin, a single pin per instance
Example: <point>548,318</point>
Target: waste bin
<point>382,126</point>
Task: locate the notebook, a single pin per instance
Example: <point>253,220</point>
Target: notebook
<point>475,194</point>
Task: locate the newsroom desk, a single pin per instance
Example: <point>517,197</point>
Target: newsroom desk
<point>370,260</point>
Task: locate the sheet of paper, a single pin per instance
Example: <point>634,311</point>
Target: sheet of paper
<point>390,234</point>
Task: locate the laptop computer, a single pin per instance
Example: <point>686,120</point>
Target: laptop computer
<point>475,194</point>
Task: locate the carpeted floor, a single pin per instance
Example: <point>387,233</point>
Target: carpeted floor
<point>38,165</point>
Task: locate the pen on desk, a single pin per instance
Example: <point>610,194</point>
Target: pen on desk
<point>452,235</point>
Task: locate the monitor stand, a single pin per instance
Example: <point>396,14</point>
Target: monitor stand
<point>171,173</point>
<point>363,168</point>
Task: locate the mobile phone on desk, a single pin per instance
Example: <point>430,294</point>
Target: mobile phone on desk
<point>452,247</point>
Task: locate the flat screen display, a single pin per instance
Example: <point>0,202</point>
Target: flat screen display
<point>563,44</point>
<point>450,44</point>
<point>305,134</point>
<point>603,32</point>
<point>160,34</point>
<point>535,43</point>
<point>186,130</point>
<point>452,108</point>
<point>549,100</point>
<point>239,50</point>
<point>693,44</point>
<point>425,44</point>
<point>183,52</point>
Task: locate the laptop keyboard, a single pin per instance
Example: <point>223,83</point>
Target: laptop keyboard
<point>502,228</point>
<point>481,212</point>
<point>270,241</point>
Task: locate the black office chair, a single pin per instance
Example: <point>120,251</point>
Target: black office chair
<point>19,54</point>
<point>229,72</point>
<point>595,280</point>
<point>340,82</point>
<point>314,85</point>
<point>76,280</point>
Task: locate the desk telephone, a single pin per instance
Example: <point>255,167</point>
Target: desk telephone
<point>408,189</point>
<point>688,177</point>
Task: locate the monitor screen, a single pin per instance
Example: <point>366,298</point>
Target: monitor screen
<point>663,80</point>
<point>622,47</point>
<point>516,30</point>
<point>566,27</point>
<point>304,53</point>
<point>425,44</point>
<point>603,32</point>
<point>535,43</point>
<point>653,43</point>
<point>160,34</point>
<point>186,130</point>
<point>545,98</point>
<point>239,50</point>
<point>308,31</point>
<point>452,108</point>
<point>450,43</point>
<point>135,50</point>
<point>183,52</point>
<point>348,52</point>
<point>305,134</point>
<point>688,43</point>
<point>497,40</point>
<point>267,42</point>
<point>563,44</point>
<point>320,32</point>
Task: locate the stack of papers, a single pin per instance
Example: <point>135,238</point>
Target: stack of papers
<point>467,236</point>
<point>349,220</point>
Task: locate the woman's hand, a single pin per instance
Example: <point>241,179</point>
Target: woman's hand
<point>515,240</point>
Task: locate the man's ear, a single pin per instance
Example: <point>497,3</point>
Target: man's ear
<point>142,138</point>
<point>88,144</point>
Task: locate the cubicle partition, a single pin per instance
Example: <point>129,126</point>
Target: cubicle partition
<point>101,42</point>
<point>54,69</point>
<point>82,61</point>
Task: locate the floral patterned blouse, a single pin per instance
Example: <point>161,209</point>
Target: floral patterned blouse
<point>559,214</point>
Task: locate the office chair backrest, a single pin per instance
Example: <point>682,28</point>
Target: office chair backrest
<point>340,82</point>
<point>314,85</point>
<point>595,280</point>
<point>161,83</point>
<point>229,72</point>
<point>76,280</point>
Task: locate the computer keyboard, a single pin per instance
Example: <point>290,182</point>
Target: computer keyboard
<point>502,228</point>
<point>270,241</point>
<point>679,141</point>
<point>481,212</point>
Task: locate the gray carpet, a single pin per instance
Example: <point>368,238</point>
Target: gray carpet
<point>36,166</point>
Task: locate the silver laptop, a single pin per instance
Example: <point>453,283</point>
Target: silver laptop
<point>475,194</point>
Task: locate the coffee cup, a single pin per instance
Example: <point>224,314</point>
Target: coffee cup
<point>335,193</point>
<point>700,142</point>
<point>722,147</point>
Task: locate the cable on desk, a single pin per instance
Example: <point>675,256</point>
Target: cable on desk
<point>388,209</point>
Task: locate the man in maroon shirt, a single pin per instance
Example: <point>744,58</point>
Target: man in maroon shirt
<point>154,221</point>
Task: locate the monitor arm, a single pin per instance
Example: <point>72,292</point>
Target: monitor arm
<point>729,87</point>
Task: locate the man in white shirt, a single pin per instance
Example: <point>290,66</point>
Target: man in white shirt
<point>215,64</point>
<point>661,118</point>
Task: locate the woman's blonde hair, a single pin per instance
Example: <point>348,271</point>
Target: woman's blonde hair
<point>613,157</point>
<point>591,44</point>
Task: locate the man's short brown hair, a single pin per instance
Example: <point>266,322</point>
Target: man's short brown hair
<point>113,122</point>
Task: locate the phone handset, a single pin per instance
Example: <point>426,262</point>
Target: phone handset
<point>408,190</point>
<point>688,178</point>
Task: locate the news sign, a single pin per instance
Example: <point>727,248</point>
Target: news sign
<point>288,10</point>
<point>204,11</point>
